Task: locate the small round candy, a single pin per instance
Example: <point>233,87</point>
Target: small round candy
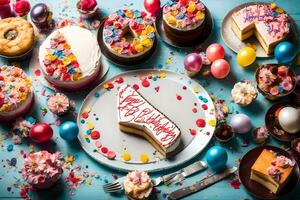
<point>246,56</point>
<point>193,62</point>
<point>216,158</point>
<point>68,130</point>
<point>241,123</point>
<point>220,69</point>
<point>289,118</point>
<point>41,132</point>
<point>152,6</point>
<point>215,51</point>
<point>285,52</point>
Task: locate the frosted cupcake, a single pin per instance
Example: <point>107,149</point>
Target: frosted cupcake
<point>42,169</point>
<point>243,93</point>
<point>60,104</point>
<point>16,93</point>
<point>138,185</point>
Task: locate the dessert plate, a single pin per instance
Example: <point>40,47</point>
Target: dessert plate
<point>201,39</point>
<point>122,62</point>
<point>235,44</point>
<point>255,188</point>
<point>35,70</point>
<point>272,123</point>
<point>180,98</point>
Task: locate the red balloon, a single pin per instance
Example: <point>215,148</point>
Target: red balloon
<point>220,68</point>
<point>41,132</point>
<point>152,6</point>
<point>214,52</point>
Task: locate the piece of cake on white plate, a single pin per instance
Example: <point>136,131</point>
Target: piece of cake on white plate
<point>137,116</point>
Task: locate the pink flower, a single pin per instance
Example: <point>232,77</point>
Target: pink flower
<point>274,90</point>
<point>287,86</point>
<point>87,5</point>
<point>282,71</point>
<point>4,2</point>
<point>21,7</point>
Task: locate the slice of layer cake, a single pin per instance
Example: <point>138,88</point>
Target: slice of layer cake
<point>272,171</point>
<point>269,24</point>
<point>137,116</point>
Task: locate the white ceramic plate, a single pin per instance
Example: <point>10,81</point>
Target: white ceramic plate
<point>164,93</point>
<point>234,43</point>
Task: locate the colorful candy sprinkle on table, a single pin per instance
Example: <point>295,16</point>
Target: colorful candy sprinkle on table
<point>126,156</point>
<point>144,158</point>
<point>200,123</point>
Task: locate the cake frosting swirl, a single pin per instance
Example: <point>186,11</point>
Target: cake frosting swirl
<point>243,93</point>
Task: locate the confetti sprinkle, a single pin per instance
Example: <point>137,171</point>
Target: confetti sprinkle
<point>95,135</point>
<point>200,123</point>
<point>193,132</point>
<point>144,158</point>
<point>126,157</point>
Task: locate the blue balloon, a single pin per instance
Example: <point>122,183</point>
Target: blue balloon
<point>285,52</point>
<point>216,158</point>
<point>68,130</point>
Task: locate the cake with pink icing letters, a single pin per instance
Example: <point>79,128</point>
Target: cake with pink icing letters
<point>137,116</point>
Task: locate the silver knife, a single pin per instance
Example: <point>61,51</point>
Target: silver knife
<point>183,173</point>
<point>205,182</point>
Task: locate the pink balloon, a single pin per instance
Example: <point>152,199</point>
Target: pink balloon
<point>220,68</point>
<point>215,51</point>
<point>193,62</point>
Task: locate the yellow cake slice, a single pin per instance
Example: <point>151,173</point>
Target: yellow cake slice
<point>268,23</point>
<point>271,171</point>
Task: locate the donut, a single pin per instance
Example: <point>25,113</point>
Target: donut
<point>16,93</point>
<point>16,36</point>
<point>129,33</point>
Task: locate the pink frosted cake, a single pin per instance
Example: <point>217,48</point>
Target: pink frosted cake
<point>137,116</point>
<point>16,93</point>
<point>269,23</point>
<point>42,169</point>
<point>70,58</point>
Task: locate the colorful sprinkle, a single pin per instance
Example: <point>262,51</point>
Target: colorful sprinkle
<point>98,144</point>
<point>126,157</point>
<point>193,132</point>
<point>104,150</point>
<point>90,125</point>
<point>200,123</point>
<point>179,98</point>
<point>212,122</point>
<point>85,115</point>
<point>111,155</point>
<point>204,107</point>
<point>144,158</point>
<point>119,80</point>
<point>95,135</point>
<point>136,86</point>
<point>145,83</point>
<point>194,110</point>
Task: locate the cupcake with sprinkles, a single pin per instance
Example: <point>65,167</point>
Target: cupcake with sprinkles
<point>184,20</point>
<point>129,34</point>
<point>70,58</point>
<point>16,93</point>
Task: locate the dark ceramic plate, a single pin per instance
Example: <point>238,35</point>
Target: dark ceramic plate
<point>119,60</point>
<point>272,123</point>
<point>201,39</point>
<point>255,188</point>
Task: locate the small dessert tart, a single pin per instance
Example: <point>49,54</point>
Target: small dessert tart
<point>269,23</point>
<point>275,81</point>
<point>243,93</point>
<point>70,58</point>
<point>129,35</point>
<point>42,169</point>
<point>16,93</point>
<point>224,133</point>
<point>138,185</point>
<point>184,20</point>
<point>16,37</point>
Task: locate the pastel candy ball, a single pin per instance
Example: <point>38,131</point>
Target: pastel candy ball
<point>68,130</point>
<point>41,132</point>
<point>241,123</point>
<point>289,119</point>
<point>220,69</point>
<point>216,158</point>
<point>285,52</point>
<point>193,62</point>
<point>215,51</point>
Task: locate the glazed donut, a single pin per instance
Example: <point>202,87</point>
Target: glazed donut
<point>122,22</point>
<point>16,36</point>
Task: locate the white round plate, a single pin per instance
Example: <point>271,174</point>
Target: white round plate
<point>35,69</point>
<point>177,96</point>
<point>235,44</point>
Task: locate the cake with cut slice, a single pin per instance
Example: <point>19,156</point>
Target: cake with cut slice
<point>272,171</point>
<point>137,116</point>
<point>269,23</point>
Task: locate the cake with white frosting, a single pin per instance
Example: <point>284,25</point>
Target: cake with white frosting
<point>137,116</point>
<point>70,58</point>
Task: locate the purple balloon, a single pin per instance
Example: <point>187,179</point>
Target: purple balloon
<point>241,123</point>
<point>193,62</point>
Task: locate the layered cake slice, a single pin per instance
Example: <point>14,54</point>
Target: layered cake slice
<point>270,24</point>
<point>271,170</point>
<point>137,116</point>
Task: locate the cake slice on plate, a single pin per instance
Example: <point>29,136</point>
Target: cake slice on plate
<point>137,116</point>
<point>272,171</point>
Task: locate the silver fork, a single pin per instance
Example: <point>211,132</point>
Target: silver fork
<point>115,186</point>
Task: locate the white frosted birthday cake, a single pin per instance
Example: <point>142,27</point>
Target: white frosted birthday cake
<point>137,116</point>
<point>70,58</point>
<point>269,23</point>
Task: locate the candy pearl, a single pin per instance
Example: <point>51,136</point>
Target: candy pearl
<point>241,123</point>
<point>289,119</point>
<point>68,130</point>
<point>216,158</point>
<point>220,68</point>
<point>215,51</point>
<point>39,12</point>
<point>193,62</point>
<point>41,132</point>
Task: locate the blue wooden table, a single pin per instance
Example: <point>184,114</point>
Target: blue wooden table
<point>93,175</point>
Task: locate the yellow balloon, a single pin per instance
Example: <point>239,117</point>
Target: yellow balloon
<point>246,56</point>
